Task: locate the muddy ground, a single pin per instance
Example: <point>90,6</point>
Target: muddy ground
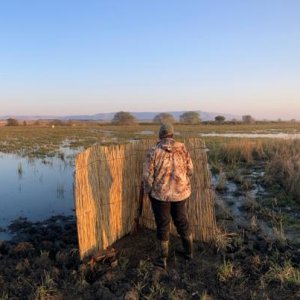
<point>42,263</point>
<point>251,258</point>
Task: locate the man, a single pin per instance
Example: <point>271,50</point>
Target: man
<point>166,176</point>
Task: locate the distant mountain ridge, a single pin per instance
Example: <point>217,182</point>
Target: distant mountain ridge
<point>107,117</point>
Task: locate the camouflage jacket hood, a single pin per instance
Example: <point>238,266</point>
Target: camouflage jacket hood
<point>166,171</point>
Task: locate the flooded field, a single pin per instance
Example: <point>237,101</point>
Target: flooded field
<point>35,188</point>
<point>255,253</point>
<point>278,135</point>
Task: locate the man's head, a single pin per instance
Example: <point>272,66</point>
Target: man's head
<point>166,130</point>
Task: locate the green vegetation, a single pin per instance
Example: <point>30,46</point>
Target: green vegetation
<point>123,118</point>
<point>220,119</point>
<point>12,122</point>
<point>42,139</point>
<point>225,271</point>
<point>190,117</point>
<point>285,274</point>
<point>163,118</point>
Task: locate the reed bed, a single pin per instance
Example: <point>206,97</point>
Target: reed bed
<point>107,189</point>
<point>283,167</point>
<point>237,150</point>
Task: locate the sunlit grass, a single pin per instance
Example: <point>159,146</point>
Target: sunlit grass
<point>286,274</point>
<point>43,140</point>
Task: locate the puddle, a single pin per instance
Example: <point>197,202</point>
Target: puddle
<point>234,201</point>
<point>147,132</point>
<point>35,188</point>
<point>279,135</point>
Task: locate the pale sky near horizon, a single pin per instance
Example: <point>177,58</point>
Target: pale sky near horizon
<point>85,57</point>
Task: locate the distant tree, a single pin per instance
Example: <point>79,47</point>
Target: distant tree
<point>220,119</point>
<point>12,122</point>
<point>24,123</point>
<point>37,122</point>
<point>164,118</point>
<point>190,117</point>
<point>123,118</point>
<point>57,122</point>
<point>248,119</point>
<point>293,120</point>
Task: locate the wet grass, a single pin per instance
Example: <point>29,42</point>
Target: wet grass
<point>43,140</point>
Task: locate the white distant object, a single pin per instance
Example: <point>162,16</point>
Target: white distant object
<point>53,126</point>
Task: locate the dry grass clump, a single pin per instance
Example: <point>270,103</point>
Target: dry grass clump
<point>227,271</point>
<point>284,166</point>
<point>222,239</point>
<point>234,151</point>
<point>286,274</point>
<point>206,296</point>
<point>221,183</point>
<point>47,288</point>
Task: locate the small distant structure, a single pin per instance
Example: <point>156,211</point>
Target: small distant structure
<point>52,126</point>
<point>109,201</point>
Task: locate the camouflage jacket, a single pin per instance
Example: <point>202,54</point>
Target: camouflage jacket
<point>166,171</point>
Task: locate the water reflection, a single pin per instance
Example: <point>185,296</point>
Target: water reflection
<point>35,188</point>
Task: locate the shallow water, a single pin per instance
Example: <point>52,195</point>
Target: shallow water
<point>147,132</point>
<point>35,188</point>
<point>279,135</point>
<point>233,200</point>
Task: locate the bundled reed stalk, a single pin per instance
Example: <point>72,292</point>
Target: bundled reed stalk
<point>107,185</point>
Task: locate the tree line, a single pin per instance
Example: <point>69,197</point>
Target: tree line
<point>126,118</point>
<point>190,117</point>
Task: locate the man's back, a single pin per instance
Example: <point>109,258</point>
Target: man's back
<point>167,170</point>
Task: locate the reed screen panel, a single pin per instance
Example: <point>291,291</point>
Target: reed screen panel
<point>107,194</point>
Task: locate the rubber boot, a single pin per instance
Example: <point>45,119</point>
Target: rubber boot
<point>187,243</point>
<point>164,252</point>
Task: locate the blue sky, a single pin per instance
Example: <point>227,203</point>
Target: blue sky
<point>85,57</point>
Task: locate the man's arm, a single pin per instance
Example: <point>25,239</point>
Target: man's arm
<point>148,171</point>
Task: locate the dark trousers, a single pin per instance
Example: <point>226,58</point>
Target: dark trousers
<point>163,211</point>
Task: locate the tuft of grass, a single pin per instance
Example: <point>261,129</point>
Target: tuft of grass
<point>278,232</point>
<point>250,204</point>
<point>284,167</point>
<point>225,271</point>
<point>4,296</point>
<point>286,274</point>
<point>222,239</point>
<point>253,223</point>
<point>205,296</point>
<point>46,289</point>
<point>246,184</point>
<point>221,183</point>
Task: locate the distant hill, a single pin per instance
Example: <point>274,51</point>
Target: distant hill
<point>106,117</point>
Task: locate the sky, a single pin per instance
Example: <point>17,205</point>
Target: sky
<point>90,56</point>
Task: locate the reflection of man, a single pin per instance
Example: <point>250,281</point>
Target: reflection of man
<point>166,173</point>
